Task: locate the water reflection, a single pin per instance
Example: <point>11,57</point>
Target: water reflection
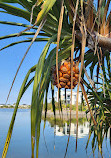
<point>83,130</point>
<point>96,141</point>
<point>20,146</point>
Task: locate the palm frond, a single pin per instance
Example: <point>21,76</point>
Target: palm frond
<point>15,11</point>
<point>23,88</point>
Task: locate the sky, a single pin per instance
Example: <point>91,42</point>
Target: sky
<point>10,59</point>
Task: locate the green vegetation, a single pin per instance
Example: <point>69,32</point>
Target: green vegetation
<point>19,107</point>
<point>60,122</point>
<point>5,106</point>
<point>64,107</point>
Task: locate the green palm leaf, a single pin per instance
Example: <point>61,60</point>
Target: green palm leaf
<point>9,1</point>
<point>47,5</point>
<point>21,92</point>
<point>23,41</point>
<point>15,11</point>
<point>16,34</point>
<point>36,105</point>
<point>15,24</point>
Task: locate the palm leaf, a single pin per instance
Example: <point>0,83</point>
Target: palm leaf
<point>46,6</point>
<point>16,24</point>
<point>53,101</point>
<point>45,106</point>
<point>36,34</point>
<point>103,28</point>
<point>36,105</point>
<point>9,1</point>
<point>58,40</point>
<point>85,96</point>
<point>72,51</point>
<point>14,43</point>
<point>21,92</point>
<point>15,11</point>
<point>28,5</point>
<point>15,35</point>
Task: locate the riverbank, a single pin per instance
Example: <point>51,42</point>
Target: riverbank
<point>66,114</point>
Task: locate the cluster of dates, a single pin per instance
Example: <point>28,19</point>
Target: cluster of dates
<point>65,75</point>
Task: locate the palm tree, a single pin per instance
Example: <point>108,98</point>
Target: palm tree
<point>72,26</point>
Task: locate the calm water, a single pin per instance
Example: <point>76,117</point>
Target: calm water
<point>20,146</point>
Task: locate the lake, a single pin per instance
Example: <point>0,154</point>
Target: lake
<point>54,140</point>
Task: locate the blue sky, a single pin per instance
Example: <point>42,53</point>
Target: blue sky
<point>10,59</point>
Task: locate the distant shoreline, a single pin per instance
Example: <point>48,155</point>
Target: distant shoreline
<point>66,113</point>
<point>12,107</point>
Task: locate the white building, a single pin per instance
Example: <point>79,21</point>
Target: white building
<point>68,97</point>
